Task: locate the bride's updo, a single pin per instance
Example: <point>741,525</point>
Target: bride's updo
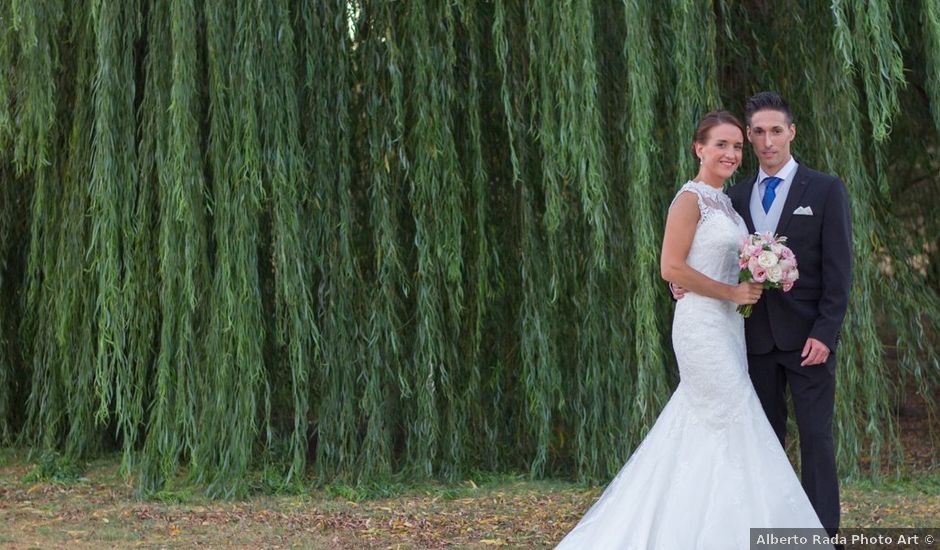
<point>709,121</point>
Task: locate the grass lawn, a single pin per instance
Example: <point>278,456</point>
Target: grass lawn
<point>99,510</point>
<point>95,508</point>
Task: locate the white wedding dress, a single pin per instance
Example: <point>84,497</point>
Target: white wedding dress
<point>711,467</point>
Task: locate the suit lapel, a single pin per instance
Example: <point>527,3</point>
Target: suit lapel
<point>797,188</point>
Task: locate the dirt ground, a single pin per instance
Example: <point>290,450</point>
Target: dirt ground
<point>100,510</point>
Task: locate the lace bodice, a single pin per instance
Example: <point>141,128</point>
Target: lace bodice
<point>705,329</point>
<point>718,235</point>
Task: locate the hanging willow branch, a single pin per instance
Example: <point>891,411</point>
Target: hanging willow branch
<point>859,354</point>
<point>930,19</point>
<point>642,85</point>
<point>7,210</point>
<point>695,71</point>
<point>171,157</point>
<point>473,416</point>
<point>234,388</point>
<point>329,81</point>
<point>877,56</point>
<point>386,373</point>
<point>435,193</point>
<point>7,45</point>
<point>365,239</point>
<point>8,383</point>
<point>296,327</point>
<point>113,183</point>
<point>36,24</point>
<point>58,324</point>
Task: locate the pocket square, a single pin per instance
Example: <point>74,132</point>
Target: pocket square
<point>803,211</point>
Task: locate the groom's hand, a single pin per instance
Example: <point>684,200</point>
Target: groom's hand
<point>677,291</point>
<point>814,353</point>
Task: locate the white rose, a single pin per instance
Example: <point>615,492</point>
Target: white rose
<point>774,273</point>
<point>767,259</point>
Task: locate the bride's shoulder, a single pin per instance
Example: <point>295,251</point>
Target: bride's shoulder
<point>700,188</point>
<point>696,187</point>
<point>691,192</point>
<point>690,186</point>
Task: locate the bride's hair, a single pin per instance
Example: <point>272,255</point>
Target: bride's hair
<point>709,121</point>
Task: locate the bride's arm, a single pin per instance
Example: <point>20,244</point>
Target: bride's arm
<point>681,223</point>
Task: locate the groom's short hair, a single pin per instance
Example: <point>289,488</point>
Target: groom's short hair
<point>766,101</point>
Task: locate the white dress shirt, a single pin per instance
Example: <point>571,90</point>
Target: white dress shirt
<point>767,221</point>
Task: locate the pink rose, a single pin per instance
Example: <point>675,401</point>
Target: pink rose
<point>787,285</point>
<point>759,274</point>
<point>752,264</point>
<point>787,254</point>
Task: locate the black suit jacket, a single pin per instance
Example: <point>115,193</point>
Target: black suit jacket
<point>816,305</point>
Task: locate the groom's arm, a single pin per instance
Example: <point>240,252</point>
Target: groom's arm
<point>836,265</point>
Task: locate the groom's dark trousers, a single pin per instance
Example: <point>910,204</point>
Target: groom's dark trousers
<point>812,390</point>
<point>781,322</point>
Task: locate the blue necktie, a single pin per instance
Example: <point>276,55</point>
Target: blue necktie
<point>770,192</point>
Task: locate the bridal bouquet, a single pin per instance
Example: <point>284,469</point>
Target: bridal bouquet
<point>766,259</point>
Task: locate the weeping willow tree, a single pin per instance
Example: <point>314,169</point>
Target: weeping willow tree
<point>364,239</point>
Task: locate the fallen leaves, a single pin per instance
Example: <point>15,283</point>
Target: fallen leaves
<point>104,513</point>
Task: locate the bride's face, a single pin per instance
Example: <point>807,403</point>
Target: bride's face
<point>722,150</point>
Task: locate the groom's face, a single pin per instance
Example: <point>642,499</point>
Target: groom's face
<point>770,133</point>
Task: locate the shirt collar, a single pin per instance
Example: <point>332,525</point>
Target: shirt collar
<point>785,173</point>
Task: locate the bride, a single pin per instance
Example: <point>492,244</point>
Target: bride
<point>711,468</point>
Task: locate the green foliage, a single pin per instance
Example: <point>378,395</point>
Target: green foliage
<point>380,241</point>
<point>435,193</point>
<point>651,384</point>
<point>865,38</point>
<point>52,467</point>
<point>167,496</point>
<point>234,389</point>
<point>36,25</point>
<point>385,373</point>
<point>930,19</point>
<point>296,331</point>
<point>328,81</point>
<point>171,153</point>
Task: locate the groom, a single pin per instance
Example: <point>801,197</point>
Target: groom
<point>792,337</point>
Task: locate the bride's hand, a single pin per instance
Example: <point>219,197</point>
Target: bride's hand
<point>746,293</point>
